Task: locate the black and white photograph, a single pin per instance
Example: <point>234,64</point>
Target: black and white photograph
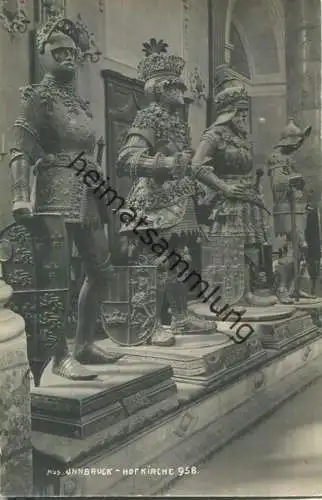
<point>160,249</point>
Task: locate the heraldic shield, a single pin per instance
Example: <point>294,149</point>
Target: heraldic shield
<point>35,262</point>
<point>223,267</point>
<point>129,311</point>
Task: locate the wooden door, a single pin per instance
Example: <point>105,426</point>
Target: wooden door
<point>123,98</point>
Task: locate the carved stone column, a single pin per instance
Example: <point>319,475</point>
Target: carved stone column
<point>303,67</point>
<point>218,49</point>
<point>15,414</point>
<point>14,66</point>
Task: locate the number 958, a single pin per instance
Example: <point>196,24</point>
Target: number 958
<point>187,471</point>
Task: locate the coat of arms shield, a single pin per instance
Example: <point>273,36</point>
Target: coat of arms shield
<point>35,262</point>
<point>223,265</point>
<point>129,310</point>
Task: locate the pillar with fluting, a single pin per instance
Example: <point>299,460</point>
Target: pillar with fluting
<point>303,69</point>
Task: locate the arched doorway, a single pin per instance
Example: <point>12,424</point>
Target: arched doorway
<point>254,41</point>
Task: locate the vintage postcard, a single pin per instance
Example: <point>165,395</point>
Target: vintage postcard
<point>160,248</point>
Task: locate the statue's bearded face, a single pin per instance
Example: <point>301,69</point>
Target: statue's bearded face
<point>241,121</point>
<point>173,95</point>
<point>59,57</point>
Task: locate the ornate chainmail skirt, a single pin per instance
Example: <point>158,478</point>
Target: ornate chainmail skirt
<point>58,189</point>
<point>238,218</point>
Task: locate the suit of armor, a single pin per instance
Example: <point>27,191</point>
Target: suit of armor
<point>157,156</point>
<point>54,127</point>
<point>289,210</point>
<point>236,206</point>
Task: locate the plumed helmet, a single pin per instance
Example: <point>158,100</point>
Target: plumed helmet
<point>292,135</point>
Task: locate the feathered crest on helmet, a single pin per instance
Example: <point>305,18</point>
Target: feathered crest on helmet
<point>77,31</point>
<point>157,62</point>
<point>56,24</point>
<point>230,94</point>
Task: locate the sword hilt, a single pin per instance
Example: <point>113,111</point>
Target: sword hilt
<point>259,175</point>
<point>100,149</point>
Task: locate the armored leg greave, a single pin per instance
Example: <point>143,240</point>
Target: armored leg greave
<point>93,248</point>
<point>182,320</point>
<point>256,293</point>
<point>161,335</point>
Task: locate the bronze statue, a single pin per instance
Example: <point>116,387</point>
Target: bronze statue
<point>290,213</point>
<point>237,235</point>
<point>157,156</point>
<point>54,127</point>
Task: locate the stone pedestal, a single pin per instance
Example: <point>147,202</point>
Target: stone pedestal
<point>124,397</point>
<point>146,462</point>
<point>313,307</point>
<point>277,327</point>
<point>205,360</point>
<point>15,422</point>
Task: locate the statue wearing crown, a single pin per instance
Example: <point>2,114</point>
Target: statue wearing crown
<point>157,157</point>
<point>53,132</point>
<point>234,257</point>
<point>290,214</point>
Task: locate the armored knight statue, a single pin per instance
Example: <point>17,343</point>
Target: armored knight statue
<point>157,156</point>
<point>290,213</point>
<point>237,227</point>
<point>54,126</point>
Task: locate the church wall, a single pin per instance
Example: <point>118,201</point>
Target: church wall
<point>183,24</point>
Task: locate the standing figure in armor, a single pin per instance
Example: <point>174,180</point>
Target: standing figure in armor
<point>237,225</point>
<point>157,156</point>
<point>290,212</point>
<point>54,126</point>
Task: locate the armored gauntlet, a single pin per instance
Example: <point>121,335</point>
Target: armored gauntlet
<point>20,181</point>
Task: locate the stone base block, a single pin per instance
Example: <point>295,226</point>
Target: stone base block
<point>287,334</point>
<point>176,444</point>
<point>247,314</point>
<point>206,360</point>
<point>308,304</point>
<point>80,409</point>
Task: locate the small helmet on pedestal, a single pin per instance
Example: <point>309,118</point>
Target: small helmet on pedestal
<point>292,135</point>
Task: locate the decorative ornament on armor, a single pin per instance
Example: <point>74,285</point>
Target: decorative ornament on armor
<point>235,256</point>
<point>53,207</point>
<point>290,213</point>
<point>157,156</point>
